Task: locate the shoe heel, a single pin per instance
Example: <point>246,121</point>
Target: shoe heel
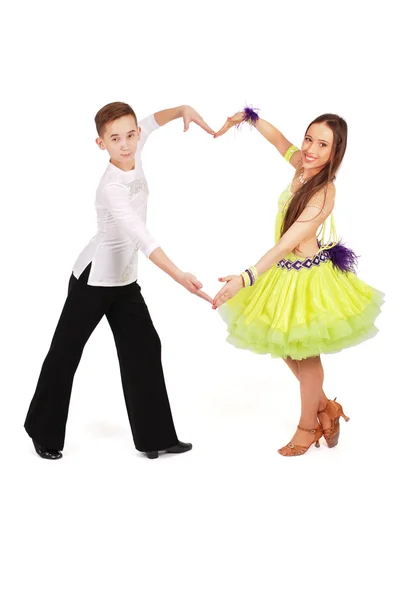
<point>333,441</point>
<point>154,454</point>
<point>340,412</point>
<point>317,444</point>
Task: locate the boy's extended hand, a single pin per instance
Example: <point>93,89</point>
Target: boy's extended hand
<point>190,115</point>
<point>190,283</point>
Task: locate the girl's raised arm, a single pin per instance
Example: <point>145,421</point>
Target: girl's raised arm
<point>290,152</point>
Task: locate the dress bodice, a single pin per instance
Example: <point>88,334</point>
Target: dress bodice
<point>283,204</point>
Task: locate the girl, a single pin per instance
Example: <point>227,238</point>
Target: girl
<point>302,298</point>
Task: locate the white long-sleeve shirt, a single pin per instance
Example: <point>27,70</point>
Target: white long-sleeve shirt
<point>121,206</point>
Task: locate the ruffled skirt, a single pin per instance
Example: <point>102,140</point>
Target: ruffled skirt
<point>299,314</point>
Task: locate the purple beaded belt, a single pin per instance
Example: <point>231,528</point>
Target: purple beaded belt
<point>344,259</point>
<point>306,263</point>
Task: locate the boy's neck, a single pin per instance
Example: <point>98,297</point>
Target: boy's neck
<point>123,167</point>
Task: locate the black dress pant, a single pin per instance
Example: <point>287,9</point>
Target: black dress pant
<point>139,354</point>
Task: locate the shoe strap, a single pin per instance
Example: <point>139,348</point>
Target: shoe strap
<point>310,430</point>
<point>324,411</point>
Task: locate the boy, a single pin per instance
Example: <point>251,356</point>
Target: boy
<point>104,282</point>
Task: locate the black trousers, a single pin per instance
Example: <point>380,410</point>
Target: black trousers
<point>139,354</point>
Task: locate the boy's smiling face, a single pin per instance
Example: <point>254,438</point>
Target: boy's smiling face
<point>120,139</point>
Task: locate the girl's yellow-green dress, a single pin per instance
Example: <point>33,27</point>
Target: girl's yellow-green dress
<point>302,307</point>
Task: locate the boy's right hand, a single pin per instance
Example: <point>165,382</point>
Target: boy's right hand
<point>231,121</point>
<point>190,283</point>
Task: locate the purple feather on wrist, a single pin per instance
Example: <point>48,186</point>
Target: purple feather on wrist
<point>250,116</point>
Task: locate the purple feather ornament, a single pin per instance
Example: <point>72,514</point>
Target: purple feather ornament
<point>250,116</point>
<point>343,258</point>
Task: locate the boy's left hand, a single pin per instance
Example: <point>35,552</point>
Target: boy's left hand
<point>190,115</point>
<point>234,284</point>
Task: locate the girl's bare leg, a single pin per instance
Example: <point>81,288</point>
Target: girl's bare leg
<point>294,366</point>
<point>310,374</point>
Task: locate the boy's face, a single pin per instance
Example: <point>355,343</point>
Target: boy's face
<point>120,139</point>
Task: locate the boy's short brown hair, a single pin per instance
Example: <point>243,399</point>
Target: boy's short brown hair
<point>111,112</point>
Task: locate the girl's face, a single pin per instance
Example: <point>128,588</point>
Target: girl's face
<point>316,147</point>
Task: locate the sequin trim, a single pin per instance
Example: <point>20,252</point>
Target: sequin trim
<point>137,186</point>
<point>307,263</point>
<point>129,268</point>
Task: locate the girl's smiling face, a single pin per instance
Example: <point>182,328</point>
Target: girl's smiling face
<point>317,146</point>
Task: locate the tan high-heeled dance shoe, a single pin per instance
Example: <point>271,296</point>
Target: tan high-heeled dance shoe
<point>296,449</point>
<point>334,411</point>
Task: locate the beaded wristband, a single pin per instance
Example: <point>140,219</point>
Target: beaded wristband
<point>249,276</point>
<point>246,279</point>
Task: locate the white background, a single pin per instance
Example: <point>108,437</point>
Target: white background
<point>231,519</point>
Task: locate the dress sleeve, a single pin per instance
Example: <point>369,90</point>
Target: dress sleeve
<point>117,201</point>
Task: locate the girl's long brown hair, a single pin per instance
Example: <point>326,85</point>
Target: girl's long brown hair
<point>322,179</point>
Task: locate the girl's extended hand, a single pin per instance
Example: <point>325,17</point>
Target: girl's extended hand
<point>231,122</point>
<point>234,284</point>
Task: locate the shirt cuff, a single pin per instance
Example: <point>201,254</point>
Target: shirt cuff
<point>149,124</point>
<point>148,251</point>
<point>153,122</point>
